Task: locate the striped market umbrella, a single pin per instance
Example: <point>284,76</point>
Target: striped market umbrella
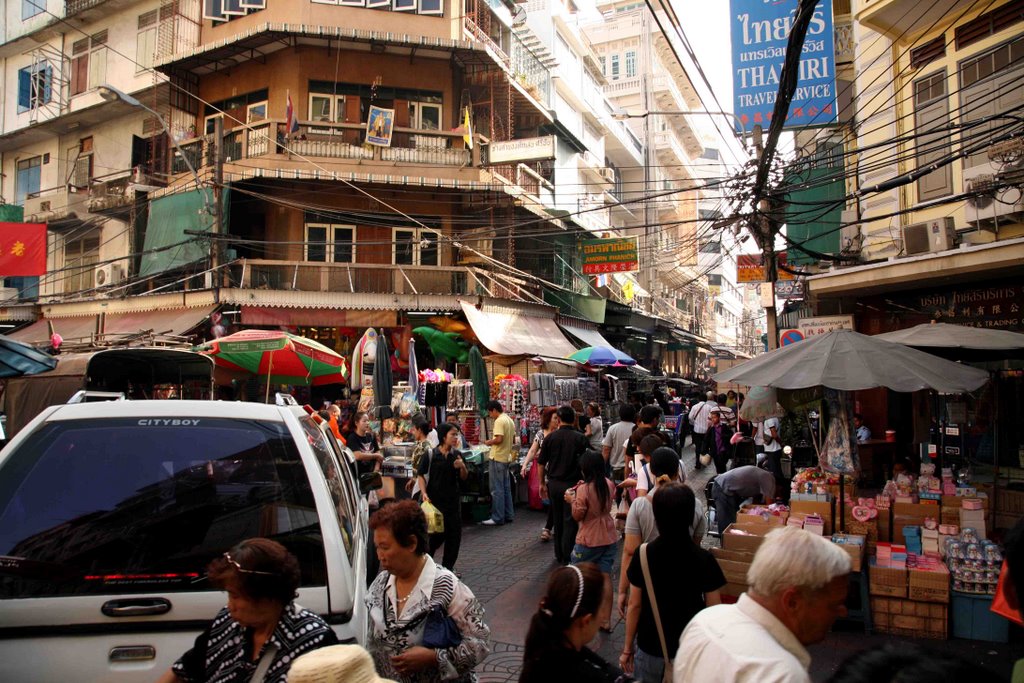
<point>601,355</point>
<point>277,357</point>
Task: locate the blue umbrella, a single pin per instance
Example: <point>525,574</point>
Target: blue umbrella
<point>601,355</point>
<point>18,359</point>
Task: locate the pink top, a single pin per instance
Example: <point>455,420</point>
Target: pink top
<point>597,528</point>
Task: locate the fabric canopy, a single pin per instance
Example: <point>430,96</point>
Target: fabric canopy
<point>172,321</point>
<point>588,337</point>
<point>167,245</point>
<point>849,361</point>
<point>511,332</point>
<point>946,335</point>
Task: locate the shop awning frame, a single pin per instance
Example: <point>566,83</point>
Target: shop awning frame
<point>510,330</point>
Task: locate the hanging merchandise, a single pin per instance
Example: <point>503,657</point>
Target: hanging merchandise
<point>542,389</point>
<point>461,396</point>
<point>511,392</point>
<point>588,389</point>
<point>566,390</point>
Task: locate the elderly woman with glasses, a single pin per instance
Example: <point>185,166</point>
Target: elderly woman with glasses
<point>261,631</point>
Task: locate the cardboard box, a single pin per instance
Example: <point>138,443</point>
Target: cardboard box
<point>887,581</point>
<point>929,586</point>
<point>822,509</point>
<point>910,618</point>
<point>744,517</point>
<point>734,555</point>
<point>735,572</point>
<point>855,550</point>
<point>748,542</point>
<point>921,510</point>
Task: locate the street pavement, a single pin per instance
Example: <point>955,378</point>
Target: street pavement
<point>506,567</point>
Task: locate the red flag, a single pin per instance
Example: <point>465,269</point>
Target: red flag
<point>22,249</point>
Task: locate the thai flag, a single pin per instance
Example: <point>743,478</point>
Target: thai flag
<point>291,123</point>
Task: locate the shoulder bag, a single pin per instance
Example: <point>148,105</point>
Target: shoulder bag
<point>667,675</point>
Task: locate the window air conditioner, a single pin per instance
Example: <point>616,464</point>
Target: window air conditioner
<point>608,174</point>
<point>933,236</point>
<point>850,238</point>
<point>109,274</point>
<point>987,206</point>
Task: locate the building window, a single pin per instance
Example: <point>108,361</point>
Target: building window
<point>89,63</point>
<point>327,108</point>
<point>210,123</point>
<point>416,247</point>
<point>80,164</point>
<point>256,112</point>
<point>30,8</point>
<point>145,40</point>
<point>80,259</point>
<point>425,115</point>
<point>990,85</point>
<point>27,182</point>
<point>989,24</point>
<point>615,67</point>
<point>604,65</point>
<point>931,124</point>
<point>630,63</point>
<point>327,243</point>
<point>35,87</point>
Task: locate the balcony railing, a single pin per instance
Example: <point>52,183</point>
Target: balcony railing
<point>111,195</point>
<point>373,278</point>
<point>328,140</point>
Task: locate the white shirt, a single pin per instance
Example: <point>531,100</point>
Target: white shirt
<point>699,414</point>
<point>741,643</point>
<point>775,445</point>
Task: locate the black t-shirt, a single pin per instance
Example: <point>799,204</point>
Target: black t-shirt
<point>365,444</point>
<point>583,421</point>
<point>560,454</point>
<point>444,484</point>
<point>566,664</point>
<point>681,574</point>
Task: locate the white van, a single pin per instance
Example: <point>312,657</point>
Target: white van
<point>110,513</point>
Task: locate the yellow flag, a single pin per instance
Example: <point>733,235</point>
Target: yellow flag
<point>467,128</point>
<point>628,290</point>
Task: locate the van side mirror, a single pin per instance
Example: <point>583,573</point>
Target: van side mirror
<point>370,481</point>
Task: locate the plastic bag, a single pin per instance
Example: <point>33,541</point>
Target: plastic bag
<point>435,520</point>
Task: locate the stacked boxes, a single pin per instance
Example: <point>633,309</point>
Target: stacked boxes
<point>734,564</point>
<point>910,618</point>
<point>887,581</point>
<point>854,545</point>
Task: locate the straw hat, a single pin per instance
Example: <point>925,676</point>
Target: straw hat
<point>335,664</point>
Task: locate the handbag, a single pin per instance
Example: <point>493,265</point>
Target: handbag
<point>435,520</point>
<point>439,630</point>
<point>667,675</point>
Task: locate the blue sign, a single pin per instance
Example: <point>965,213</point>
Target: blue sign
<point>760,32</point>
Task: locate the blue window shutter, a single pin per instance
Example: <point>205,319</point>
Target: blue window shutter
<point>24,89</point>
<point>35,178</point>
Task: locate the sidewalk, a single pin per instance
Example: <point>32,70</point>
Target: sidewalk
<point>507,567</point>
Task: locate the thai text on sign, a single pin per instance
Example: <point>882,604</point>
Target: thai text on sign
<point>617,255</point>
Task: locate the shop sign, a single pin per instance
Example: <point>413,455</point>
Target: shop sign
<point>760,34</point>
<point>618,255</point>
<point>789,289</point>
<point>995,307</point>
<point>525,149</point>
<point>749,268</point>
<point>811,327</point>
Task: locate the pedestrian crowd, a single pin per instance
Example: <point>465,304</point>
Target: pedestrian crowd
<point>425,625</point>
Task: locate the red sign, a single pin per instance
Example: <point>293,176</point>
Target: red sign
<point>22,249</point>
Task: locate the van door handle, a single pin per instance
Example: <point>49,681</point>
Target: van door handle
<point>136,607</point>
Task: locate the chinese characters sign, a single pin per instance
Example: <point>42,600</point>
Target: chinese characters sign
<point>617,255</point>
<point>760,32</point>
<point>750,269</point>
<point>22,249</point>
<point>810,327</point>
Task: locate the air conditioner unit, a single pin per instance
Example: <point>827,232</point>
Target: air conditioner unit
<point>607,173</point>
<point>850,237</point>
<point>933,236</point>
<point>109,274</point>
<point>987,206</point>
<point>9,294</point>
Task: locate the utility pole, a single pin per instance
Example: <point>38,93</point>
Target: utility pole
<point>216,247</point>
<point>765,229</point>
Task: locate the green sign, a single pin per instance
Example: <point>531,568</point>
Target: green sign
<point>617,255</point>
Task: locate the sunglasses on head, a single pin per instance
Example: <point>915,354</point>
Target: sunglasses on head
<point>240,568</point>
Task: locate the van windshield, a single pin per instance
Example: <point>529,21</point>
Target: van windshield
<point>122,505</point>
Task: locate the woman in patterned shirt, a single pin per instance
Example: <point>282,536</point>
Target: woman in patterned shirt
<point>404,594</point>
<point>261,628</point>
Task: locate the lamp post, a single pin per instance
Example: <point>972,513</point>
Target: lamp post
<point>112,94</point>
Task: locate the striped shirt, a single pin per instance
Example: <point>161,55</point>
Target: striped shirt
<point>699,414</point>
<point>223,652</point>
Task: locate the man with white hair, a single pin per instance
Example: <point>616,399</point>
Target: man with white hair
<point>798,585</point>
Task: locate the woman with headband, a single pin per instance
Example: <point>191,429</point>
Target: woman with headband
<point>567,619</point>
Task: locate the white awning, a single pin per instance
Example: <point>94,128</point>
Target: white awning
<point>587,336</point>
<point>509,331</point>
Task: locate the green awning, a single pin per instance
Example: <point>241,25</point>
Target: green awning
<point>167,244</point>
<point>579,305</point>
<point>11,213</point>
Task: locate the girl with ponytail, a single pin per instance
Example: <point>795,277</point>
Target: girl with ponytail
<point>566,620</point>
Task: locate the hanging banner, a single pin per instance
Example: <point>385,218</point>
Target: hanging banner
<point>618,255</point>
<point>22,249</point>
<point>380,125</point>
<point>760,32</point>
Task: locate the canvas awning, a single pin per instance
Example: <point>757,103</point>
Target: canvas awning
<point>171,321</point>
<point>587,336</point>
<point>168,243</point>
<point>509,331</point>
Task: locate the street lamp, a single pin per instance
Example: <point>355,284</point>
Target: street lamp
<point>620,114</point>
<point>112,94</point>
